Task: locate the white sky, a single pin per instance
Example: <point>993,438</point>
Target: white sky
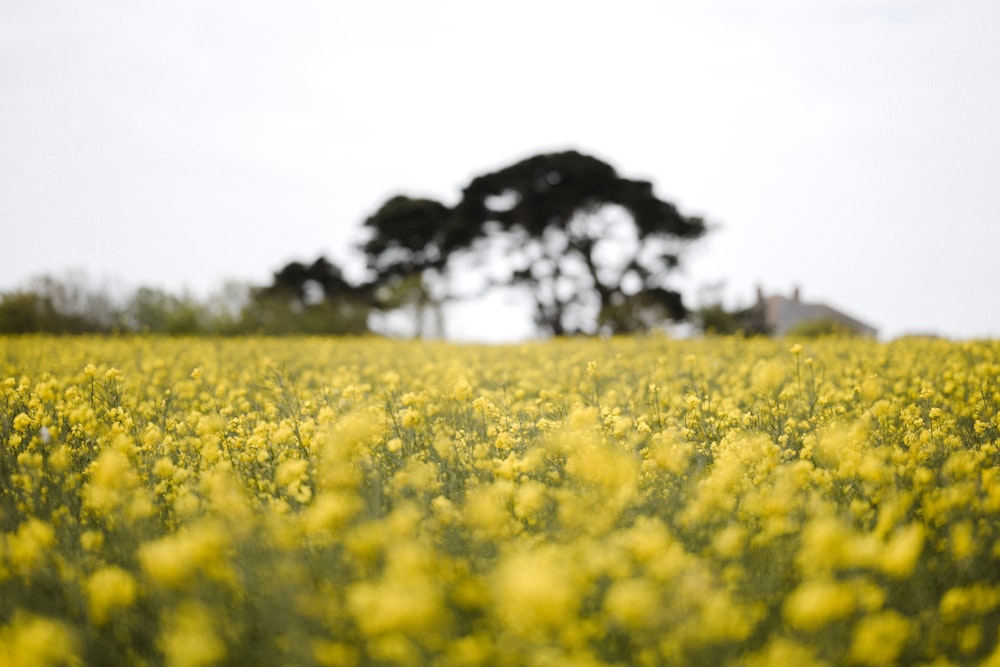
<point>851,147</point>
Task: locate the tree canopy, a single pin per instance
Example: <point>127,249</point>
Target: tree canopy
<point>593,249</point>
<point>312,299</point>
<point>410,241</point>
<point>408,236</point>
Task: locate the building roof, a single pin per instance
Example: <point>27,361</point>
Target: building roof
<point>782,314</point>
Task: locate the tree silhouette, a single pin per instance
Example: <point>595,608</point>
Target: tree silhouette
<point>310,299</point>
<point>593,249</point>
<point>410,241</point>
<point>408,235</point>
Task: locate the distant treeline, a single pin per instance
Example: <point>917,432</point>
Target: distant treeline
<point>590,251</point>
<point>72,305</point>
<point>302,299</point>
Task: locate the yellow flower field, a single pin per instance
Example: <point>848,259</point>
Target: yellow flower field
<point>635,501</point>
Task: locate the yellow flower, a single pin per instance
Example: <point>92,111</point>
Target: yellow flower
<point>486,509</point>
<point>92,540</point>
<point>28,548</point>
<point>469,651</point>
<point>417,476</point>
<point>633,603</point>
<point>407,597</point>
<point>730,541</point>
<point>963,540</point>
<point>188,637</point>
<point>879,638</point>
<point>164,468</point>
<point>334,654</point>
<point>175,561</point>
<point>510,523</point>
<point>900,555</point>
<point>667,452</point>
<point>529,500</point>
<point>604,470</point>
<point>114,487</point>
<point>108,590</point>
<point>22,422</point>
<point>536,590</point>
<point>784,651</point>
<point>964,603</point>
<point>283,433</point>
<point>290,471</point>
<point>38,642</point>
<point>818,602</point>
<point>505,441</point>
<point>328,513</point>
<point>767,377</point>
<point>825,544</point>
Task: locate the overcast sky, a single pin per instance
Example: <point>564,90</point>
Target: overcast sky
<point>850,147</point>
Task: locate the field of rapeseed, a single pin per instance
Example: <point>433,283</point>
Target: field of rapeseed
<point>636,501</point>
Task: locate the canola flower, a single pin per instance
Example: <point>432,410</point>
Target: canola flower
<point>635,501</point>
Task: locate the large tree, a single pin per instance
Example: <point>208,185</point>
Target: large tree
<point>408,246</point>
<point>592,248</point>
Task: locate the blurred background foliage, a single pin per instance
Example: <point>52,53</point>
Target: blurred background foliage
<point>589,251</point>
